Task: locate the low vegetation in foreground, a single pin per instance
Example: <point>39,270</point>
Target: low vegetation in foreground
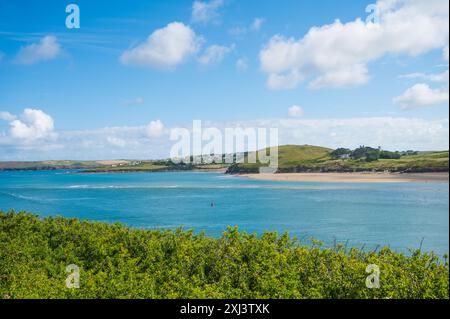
<point>120,262</point>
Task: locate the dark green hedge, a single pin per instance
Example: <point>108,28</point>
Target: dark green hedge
<point>120,262</point>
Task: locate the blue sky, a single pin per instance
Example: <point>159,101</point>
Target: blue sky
<point>263,60</point>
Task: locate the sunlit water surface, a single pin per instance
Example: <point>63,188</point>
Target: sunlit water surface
<point>400,215</point>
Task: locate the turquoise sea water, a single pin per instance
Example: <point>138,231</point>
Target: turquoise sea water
<point>399,215</point>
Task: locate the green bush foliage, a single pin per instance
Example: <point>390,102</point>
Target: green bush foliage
<point>120,262</point>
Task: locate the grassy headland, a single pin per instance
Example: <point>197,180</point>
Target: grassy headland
<point>120,262</point>
<point>306,158</point>
<point>292,159</point>
<point>109,166</point>
<point>50,165</point>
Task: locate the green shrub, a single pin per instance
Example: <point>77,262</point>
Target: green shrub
<point>119,262</point>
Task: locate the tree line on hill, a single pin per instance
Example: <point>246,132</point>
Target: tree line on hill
<point>368,154</point>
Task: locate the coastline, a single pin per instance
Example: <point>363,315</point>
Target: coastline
<point>126,171</point>
<point>352,177</point>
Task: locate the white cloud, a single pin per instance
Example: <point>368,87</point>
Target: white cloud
<point>135,101</point>
<point>284,81</point>
<point>116,142</point>
<point>338,54</point>
<point>242,64</point>
<point>238,31</point>
<point>215,54</point>
<point>33,138</point>
<point>295,111</point>
<point>344,77</point>
<point>392,133</point>
<point>32,125</point>
<point>131,142</point>
<point>438,77</point>
<point>204,12</point>
<point>48,48</point>
<point>135,143</point>
<point>257,24</point>
<point>421,95</point>
<point>155,129</point>
<point>445,53</point>
<point>164,48</point>
<point>6,116</point>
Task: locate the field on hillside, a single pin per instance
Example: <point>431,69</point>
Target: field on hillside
<point>292,158</point>
<point>306,158</point>
<point>41,165</point>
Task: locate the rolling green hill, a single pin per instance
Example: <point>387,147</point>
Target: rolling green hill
<point>49,165</point>
<point>291,158</point>
<point>307,158</point>
<point>112,166</point>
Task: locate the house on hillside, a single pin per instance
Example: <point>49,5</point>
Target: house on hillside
<point>344,156</point>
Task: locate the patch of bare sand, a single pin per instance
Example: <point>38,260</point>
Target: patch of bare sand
<point>353,177</point>
<point>112,162</point>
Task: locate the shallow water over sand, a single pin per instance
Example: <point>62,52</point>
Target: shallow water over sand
<point>364,214</point>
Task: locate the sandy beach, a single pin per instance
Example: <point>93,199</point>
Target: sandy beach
<point>352,177</point>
